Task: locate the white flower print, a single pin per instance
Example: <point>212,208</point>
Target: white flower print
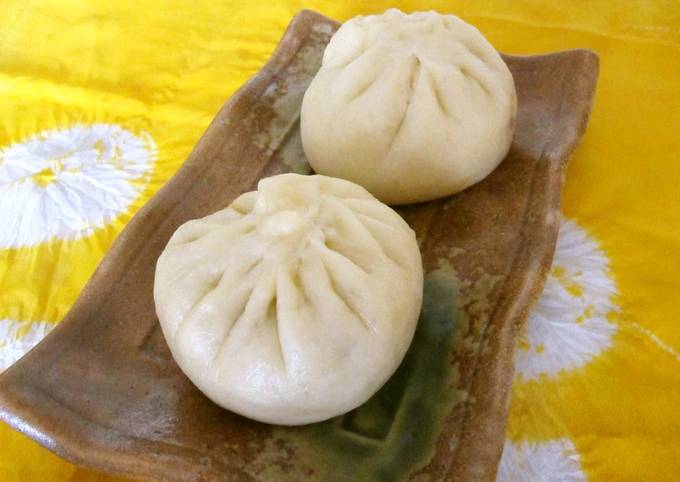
<point>551,461</point>
<point>65,183</point>
<point>17,337</point>
<point>569,324</point>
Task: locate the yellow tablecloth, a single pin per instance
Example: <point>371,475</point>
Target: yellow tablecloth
<point>102,101</point>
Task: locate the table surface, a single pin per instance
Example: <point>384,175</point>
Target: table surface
<point>102,103</point>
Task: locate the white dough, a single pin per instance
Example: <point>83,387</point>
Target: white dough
<point>294,304</point>
<point>412,107</point>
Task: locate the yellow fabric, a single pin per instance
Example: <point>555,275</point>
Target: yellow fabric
<point>161,70</point>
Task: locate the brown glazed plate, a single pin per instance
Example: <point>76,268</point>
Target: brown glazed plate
<point>103,391</point>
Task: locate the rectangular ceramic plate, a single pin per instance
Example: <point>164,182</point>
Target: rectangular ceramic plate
<point>103,391</point>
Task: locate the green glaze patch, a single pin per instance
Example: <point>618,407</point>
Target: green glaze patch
<point>293,156</point>
<point>392,434</point>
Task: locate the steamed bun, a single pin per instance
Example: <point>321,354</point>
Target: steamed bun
<point>412,107</point>
<point>294,304</point>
